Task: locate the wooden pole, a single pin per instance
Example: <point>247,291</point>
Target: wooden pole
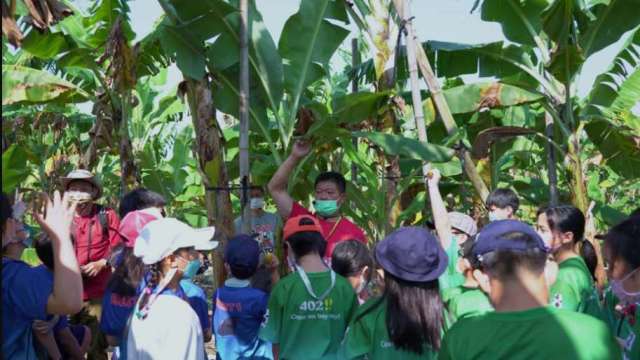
<point>355,61</point>
<point>439,100</point>
<point>402,7</point>
<point>244,116</point>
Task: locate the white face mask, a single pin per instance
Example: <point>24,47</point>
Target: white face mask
<point>363,284</point>
<point>256,203</point>
<point>79,196</point>
<point>493,216</point>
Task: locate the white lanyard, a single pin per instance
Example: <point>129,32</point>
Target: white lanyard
<point>307,284</point>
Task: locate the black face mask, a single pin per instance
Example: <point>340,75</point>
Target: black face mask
<point>204,265</point>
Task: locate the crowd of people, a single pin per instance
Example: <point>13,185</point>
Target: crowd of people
<point>119,285</point>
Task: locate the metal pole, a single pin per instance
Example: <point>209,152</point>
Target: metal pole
<point>355,61</point>
<point>244,115</point>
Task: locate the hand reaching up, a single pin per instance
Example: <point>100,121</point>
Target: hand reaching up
<point>301,148</point>
<point>57,218</point>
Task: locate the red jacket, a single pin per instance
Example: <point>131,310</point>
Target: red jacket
<point>91,245</point>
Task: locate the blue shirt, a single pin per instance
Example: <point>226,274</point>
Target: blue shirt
<point>25,292</point>
<point>63,321</point>
<point>238,312</point>
<point>116,310</point>
<point>198,301</point>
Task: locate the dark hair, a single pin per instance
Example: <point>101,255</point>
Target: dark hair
<point>350,257</point>
<point>414,314</point>
<point>242,272</point>
<point>502,198</point>
<point>128,272</point>
<point>624,241</point>
<point>334,177</point>
<point>504,264</point>
<point>636,212</point>
<point>44,250</point>
<point>257,187</point>
<point>6,211</point>
<point>306,242</point>
<point>563,218</point>
<point>140,199</point>
<point>466,250</point>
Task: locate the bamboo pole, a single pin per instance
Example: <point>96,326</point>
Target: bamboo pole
<point>439,100</point>
<point>244,116</point>
<point>403,10</point>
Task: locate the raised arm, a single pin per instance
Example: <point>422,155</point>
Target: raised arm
<point>278,184</point>
<point>440,214</point>
<point>66,297</point>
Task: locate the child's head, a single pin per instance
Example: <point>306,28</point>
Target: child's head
<point>44,250</point>
<point>242,256</point>
<point>463,227</point>
<point>562,227</point>
<point>353,260</point>
<point>508,252</point>
<point>140,199</point>
<point>303,235</point>
<point>466,261</point>
<point>502,204</point>
<point>622,249</point>
<point>412,260</point>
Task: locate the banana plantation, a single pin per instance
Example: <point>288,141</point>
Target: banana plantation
<point>378,103</point>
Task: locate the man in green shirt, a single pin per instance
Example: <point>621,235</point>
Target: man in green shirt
<point>309,310</point>
<point>512,260</point>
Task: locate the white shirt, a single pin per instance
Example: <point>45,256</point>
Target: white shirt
<point>171,330</point>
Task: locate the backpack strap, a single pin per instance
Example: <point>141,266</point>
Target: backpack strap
<point>104,224</point>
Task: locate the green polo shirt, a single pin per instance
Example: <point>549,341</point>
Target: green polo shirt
<point>304,327</point>
<point>626,328</point>
<point>574,289</point>
<point>538,333</point>
<point>368,336</point>
<point>468,302</point>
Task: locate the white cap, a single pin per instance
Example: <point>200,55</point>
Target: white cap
<point>160,238</point>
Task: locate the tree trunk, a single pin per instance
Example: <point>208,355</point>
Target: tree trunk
<point>551,161</point>
<point>210,156</point>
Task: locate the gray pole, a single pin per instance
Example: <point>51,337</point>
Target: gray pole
<point>244,116</point>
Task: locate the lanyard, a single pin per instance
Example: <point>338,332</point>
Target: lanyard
<point>334,228</point>
<point>307,284</point>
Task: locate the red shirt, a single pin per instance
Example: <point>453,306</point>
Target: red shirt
<point>95,247</point>
<point>333,232</point>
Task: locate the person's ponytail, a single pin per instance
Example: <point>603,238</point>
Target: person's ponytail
<point>154,278</point>
<point>588,254</point>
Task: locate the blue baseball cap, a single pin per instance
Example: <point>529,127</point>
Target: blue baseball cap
<point>494,237</point>
<point>242,251</point>
<point>412,254</point>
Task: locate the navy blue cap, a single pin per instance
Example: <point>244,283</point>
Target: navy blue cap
<point>492,238</point>
<point>242,251</point>
<point>412,254</point>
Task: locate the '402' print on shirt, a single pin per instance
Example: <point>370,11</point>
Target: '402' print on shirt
<point>317,305</point>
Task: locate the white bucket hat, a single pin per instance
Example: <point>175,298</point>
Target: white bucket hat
<point>83,175</point>
<point>160,238</point>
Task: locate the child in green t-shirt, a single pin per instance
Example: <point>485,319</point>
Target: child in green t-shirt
<point>407,321</point>
<point>512,260</point>
<point>308,310</point>
<point>467,299</point>
<point>622,299</point>
<point>562,229</point>
<point>352,259</point>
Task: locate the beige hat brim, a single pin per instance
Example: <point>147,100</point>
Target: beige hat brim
<point>66,181</point>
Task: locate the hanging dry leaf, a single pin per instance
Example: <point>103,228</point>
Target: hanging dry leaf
<point>10,28</point>
<point>486,137</point>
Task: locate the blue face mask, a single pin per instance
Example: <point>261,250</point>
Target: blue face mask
<point>191,270</point>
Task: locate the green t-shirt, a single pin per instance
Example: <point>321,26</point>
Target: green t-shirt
<point>628,335</point>
<point>574,289</point>
<point>451,278</point>
<point>368,336</point>
<point>539,333</point>
<point>468,302</point>
<point>304,327</point>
